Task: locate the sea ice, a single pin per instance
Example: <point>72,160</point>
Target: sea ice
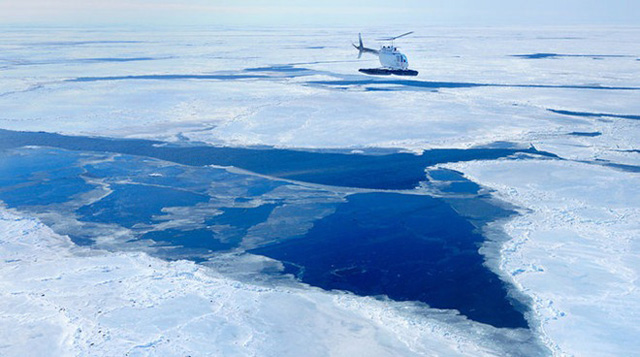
<point>573,251</point>
<point>61,299</point>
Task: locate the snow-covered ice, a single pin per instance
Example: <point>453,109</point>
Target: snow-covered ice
<point>571,253</point>
<point>60,299</point>
<point>574,250</point>
<point>233,87</point>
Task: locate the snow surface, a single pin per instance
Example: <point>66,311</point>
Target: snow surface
<point>184,86</point>
<point>573,251</point>
<point>60,299</point>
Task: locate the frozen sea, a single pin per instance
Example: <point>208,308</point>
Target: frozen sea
<point>229,191</point>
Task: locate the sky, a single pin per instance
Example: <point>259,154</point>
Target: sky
<point>321,13</point>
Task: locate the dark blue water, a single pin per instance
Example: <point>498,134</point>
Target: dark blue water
<point>196,238</point>
<point>240,220</point>
<point>131,204</point>
<point>197,244</point>
<point>446,175</point>
<point>450,181</point>
<point>374,89</point>
<point>407,247</point>
<point>390,171</point>
<point>39,178</point>
<point>588,134</point>
<point>147,171</point>
<point>461,187</point>
<point>537,55</point>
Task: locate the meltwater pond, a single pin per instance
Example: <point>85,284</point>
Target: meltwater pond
<point>345,234</point>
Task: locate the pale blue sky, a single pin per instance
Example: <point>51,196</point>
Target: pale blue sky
<point>319,13</point>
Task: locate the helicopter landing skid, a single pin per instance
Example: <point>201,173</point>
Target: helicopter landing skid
<point>388,71</point>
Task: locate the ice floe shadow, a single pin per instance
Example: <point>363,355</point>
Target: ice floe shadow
<point>119,59</point>
<point>342,81</point>
<point>321,62</point>
<point>594,115</point>
<point>614,165</point>
<point>560,38</point>
<point>267,72</point>
<point>83,61</point>
<point>586,134</point>
<point>623,167</point>
<point>278,68</point>
<point>83,43</point>
<point>405,83</point>
<point>167,77</point>
<point>559,55</point>
<point>285,71</point>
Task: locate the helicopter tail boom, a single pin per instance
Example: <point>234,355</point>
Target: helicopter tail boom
<point>361,49</point>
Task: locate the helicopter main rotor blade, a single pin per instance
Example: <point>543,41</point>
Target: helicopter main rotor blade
<point>393,38</point>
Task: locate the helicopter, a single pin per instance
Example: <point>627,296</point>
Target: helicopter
<point>392,60</point>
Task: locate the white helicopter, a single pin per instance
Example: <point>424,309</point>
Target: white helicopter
<point>392,60</point>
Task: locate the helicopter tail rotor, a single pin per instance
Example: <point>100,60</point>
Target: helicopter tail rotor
<point>360,46</point>
<point>361,49</point>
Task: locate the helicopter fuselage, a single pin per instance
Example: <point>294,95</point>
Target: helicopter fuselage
<point>392,61</point>
<point>390,57</point>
